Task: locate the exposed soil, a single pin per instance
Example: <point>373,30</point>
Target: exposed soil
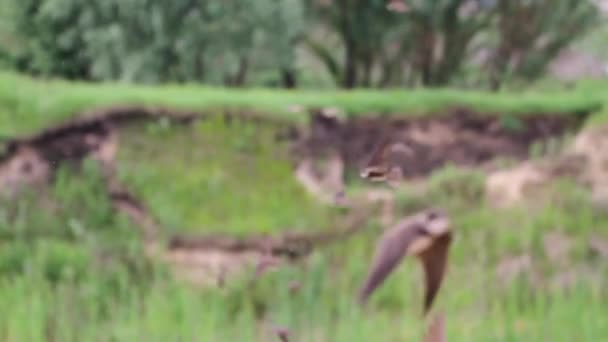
<point>33,161</point>
<point>460,137</point>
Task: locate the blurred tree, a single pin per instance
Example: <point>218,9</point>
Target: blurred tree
<point>157,41</point>
<point>363,26</point>
<point>5,32</point>
<point>430,35</point>
<point>380,43</point>
<point>443,31</point>
<point>189,40</point>
<point>532,33</point>
<point>282,27</point>
<point>52,42</point>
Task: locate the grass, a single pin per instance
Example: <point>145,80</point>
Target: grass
<point>71,270</point>
<point>72,273</point>
<point>214,179</point>
<point>27,105</point>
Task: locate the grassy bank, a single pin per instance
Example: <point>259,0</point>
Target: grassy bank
<point>73,273</point>
<point>71,270</point>
<point>27,105</point>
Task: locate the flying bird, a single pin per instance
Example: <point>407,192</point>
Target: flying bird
<point>384,164</point>
<point>426,235</point>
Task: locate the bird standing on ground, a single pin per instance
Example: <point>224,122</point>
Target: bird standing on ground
<point>426,235</point>
<point>384,164</point>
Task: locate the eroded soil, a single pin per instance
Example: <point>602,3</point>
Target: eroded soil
<point>459,136</point>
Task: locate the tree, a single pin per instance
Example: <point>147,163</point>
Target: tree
<point>532,33</point>
<point>432,36</point>
<point>378,43</point>
<point>150,41</point>
<point>52,43</point>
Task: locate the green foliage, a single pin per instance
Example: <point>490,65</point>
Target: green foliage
<point>60,233</point>
<point>361,43</point>
<point>72,270</point>
<point>52,41</point>
<point>152,41</point>
<point>531,35</point>
<point>457,184</point>
<point>430,42</point>
<point>25,106</point>
<point>222,181</point>
<point>62,294</point>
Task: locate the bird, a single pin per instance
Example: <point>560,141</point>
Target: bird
<point>426,235</point>
<point>384,164</point>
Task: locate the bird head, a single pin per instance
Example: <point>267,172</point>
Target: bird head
<point>430,225</point>
<point>384,164</point>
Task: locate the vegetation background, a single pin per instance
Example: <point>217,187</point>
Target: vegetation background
<point>73,269</point>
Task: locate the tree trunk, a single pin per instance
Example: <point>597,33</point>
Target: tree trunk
<point>350,59</point>
<point>426,58</point>
<point>241,74</point>
<point>367,64</point>
<point>288,78</point>
<point>350,72</point>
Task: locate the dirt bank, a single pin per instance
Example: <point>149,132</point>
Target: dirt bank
<point>459,136</point>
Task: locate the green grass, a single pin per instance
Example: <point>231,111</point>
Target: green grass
<point>27,105</point>
<point>72,270</point>
<point>213,177</point>
<point>55,284</point>
<point>58,289</point>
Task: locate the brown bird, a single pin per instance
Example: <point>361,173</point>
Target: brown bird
<point>384,164</point>
<point>426,235</point>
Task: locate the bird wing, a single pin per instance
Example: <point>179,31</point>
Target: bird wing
<point>434,260</point>
<point>389,253</point>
